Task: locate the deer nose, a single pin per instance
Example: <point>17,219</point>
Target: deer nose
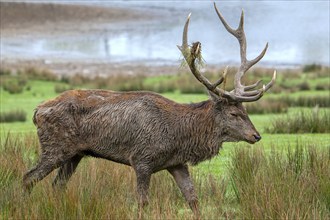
<point>257,137</point>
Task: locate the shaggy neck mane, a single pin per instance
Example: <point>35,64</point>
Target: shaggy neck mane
<point>198,133</point>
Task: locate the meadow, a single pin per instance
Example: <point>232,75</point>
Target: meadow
<point>285,175</point>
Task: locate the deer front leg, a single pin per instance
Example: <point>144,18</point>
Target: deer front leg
<point>66,171</point>
<point>182,178</point>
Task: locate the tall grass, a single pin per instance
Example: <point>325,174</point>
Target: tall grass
<point>259,185</point>
<point>313,121</point>
<point>282,185</point>
<point>98,190</point>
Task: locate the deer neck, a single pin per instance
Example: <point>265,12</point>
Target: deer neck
<point>203,140</point>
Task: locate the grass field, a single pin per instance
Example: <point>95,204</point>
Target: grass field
<point>283,176</point>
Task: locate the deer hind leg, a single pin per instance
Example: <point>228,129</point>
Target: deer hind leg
<point>49,161</point>
<point>65,172</point>
<point>143,176</point>
<point>182,178</point>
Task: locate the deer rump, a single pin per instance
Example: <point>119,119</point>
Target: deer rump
<point>126,127</point>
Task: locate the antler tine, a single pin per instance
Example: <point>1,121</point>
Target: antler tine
<point>228,28</point>
<point>241,91</point>
<point>257,59</point>
<point>251,96</point>
<point>223,77</point>
<point>185,34</point>
<point>238,33</point>
<point>246,88</point>
<point>190,57</point>
<point>271,83</point>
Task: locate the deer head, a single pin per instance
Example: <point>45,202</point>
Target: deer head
<point>230,113</point>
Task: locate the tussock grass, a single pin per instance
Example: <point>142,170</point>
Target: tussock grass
<point>322,86</point>
<point>282,185</point>
<point>266,106</point>
<point>304,86</point>
<point>313,121</point>
<point>13,86</point>
<point>13,116</point>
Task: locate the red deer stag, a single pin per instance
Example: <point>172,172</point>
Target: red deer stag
<point>145,130</point>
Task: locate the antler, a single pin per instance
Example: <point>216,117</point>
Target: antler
<point>241,93</point>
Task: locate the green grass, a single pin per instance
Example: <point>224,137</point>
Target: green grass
<point>97,191</point>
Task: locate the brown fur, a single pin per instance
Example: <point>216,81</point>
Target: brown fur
<point>140,129</point>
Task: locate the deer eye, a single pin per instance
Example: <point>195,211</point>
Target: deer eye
<point>233,114</point>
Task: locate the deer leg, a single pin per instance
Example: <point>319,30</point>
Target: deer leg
<point>181,176</point>
<point>49,161</point>
<point>66,171</point>
<point>143,175</point>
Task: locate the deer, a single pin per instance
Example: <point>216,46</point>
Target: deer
<point>145,130</point>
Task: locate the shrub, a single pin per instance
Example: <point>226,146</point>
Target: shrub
<point>322,86</point>
<point>304,86</point>
<point>13,86</point>
<point>13,116</point>
<point>312,68</point>
<point>275,185</point>
<point>314,121</point>
<point>65,79</point>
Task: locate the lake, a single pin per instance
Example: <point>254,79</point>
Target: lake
<point>297,33</point>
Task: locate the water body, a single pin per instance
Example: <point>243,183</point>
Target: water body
<point>297,33</point>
